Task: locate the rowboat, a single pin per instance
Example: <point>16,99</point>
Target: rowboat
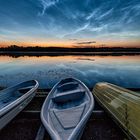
<point>14,99</point>
<point>66,109</point>
<point>122,104</point>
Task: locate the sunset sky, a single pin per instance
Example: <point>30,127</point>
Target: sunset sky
<point>70,22</point>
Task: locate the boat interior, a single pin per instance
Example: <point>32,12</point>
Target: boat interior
<point>6,99</point>
<point>9,95</point>
<point>100,126</point>
<point>70,100</point>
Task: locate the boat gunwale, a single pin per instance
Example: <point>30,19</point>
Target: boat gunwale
<point>51,132</point>
<point>19,100</point>
<point>121,89</point>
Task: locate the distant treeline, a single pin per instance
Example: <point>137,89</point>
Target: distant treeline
<point>15,48</point>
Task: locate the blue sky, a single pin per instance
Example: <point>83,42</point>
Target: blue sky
<point>70,22</point>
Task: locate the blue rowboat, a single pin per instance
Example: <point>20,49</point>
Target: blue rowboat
<point>14,99</point>
<point>67,109</point>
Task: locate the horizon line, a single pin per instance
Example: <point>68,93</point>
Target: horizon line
<point>75,46</point>
<point>72,47</point>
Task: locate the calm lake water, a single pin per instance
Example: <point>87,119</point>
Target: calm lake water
<point>120,70</point>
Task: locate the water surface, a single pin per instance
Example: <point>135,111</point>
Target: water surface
<point>120,70</point>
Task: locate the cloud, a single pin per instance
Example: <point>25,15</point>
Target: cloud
<point>77,30</point>
<point>71,19</point>
<point>46,4</point>
<point>93,14</point>
<point>85,43</point>
<point>73,39</point>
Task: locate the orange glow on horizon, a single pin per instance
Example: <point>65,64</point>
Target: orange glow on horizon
<point>70,44</point>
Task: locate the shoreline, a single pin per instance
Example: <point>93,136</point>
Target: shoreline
<point>41,53</point>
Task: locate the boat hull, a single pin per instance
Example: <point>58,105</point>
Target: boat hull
<point>122,105</point>
<point>67,109</point>
<point>7,113</point>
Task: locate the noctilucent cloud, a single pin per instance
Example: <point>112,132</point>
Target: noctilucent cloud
<point>70,22</point>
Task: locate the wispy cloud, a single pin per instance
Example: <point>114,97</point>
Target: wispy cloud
<point>46,4</point>
<point>86,43</point>
<point>73,39</point>
<point>71,20</point>
<point>77,30</point>
<point>93,14</point>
